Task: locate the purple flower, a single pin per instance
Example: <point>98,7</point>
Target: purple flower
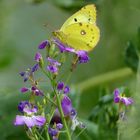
<point>22,105</point>
<point>25,75</point>
<point>29,72</point>
<point>30,110</point>
<point>30,121</point>
<point>59,126</point>
<point>67,107</point>
<point>60,86</point>
<point>34,68</point>
<point>26,107</point>
<point>83,56</point>
<point>43,44</point>
<point>53,62</point>
<point>66,90</point>
<point>53,132</point>
<point>24,89</point>
<point>38,57</point>
<point>120,98</point>
<point>36,91</point>
<point>52,68</point>
<point>22,73</point>
<point>62,47</point>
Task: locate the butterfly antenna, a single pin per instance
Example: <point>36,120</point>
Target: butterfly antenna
<point>48,27</point>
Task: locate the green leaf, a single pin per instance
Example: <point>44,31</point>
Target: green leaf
<point>138,37</point>
<point>131,56</point>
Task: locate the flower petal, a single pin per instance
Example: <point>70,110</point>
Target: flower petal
<point>19,120</point>
<point>52,68</point>
<point>24,89</point>
<point>38,57</point>
<point>117,99</point>
<point>83,56</point>
<point>29,121</point>
<point>66,90</point>
<point>62,47</point>
<point>126,101</point>
<point>66,105</point>
<point>59,126</point>
<point>60,85</point>
<point>116,92</point>
<point>39,120</point>
<point>53,62</point>
<point>43,44</point>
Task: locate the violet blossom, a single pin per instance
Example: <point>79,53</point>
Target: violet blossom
<point>61,87</point>
<point>81,54</point>
<point>120,98</point>
<point>29,118</point>
<point>38,57</point>
<point>53,65</point>
<point>43,44</point>
<point>54,132</point>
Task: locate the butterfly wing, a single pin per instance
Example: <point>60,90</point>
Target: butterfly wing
<point>87,14</point>
<point>80,36</point>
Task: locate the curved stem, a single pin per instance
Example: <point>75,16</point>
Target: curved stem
<point>105,78</point>
<point>47,134</point>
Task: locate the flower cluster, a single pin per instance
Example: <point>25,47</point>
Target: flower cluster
<point>29,117</point>
<point>50,110</point>
<point>123,101</point>
<point>120,98</point>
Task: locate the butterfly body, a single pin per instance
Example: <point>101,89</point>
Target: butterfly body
<point>80,31</point>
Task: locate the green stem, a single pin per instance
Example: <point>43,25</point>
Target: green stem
<point>45,73</point>
<point>118,135</point>
<point>40,136</point>
<point>59,107</point>
<point>62,116</point>
<point>133,133</point>
<point>51,101</point>
<point>105,78</point>
<point>35,135</point>
<point>80,133</point>
<point>52,113</point>
<point>47,134</point>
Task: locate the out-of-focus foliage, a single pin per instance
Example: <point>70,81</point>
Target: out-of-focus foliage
<point>131,56</point>
<point>105,111</point>
<point>132,53</point>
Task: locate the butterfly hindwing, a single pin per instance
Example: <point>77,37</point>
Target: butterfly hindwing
<point>81,36</point>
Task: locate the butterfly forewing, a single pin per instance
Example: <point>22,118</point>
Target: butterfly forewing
<point>87,14</point>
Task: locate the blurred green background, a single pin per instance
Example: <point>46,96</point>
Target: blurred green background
<point>22,29</point>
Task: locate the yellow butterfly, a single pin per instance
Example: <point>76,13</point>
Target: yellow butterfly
<point>80,31</point>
